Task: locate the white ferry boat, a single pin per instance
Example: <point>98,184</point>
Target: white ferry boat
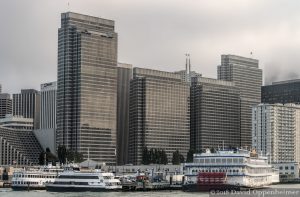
<point>240,169</point>
<point>71,181</point>
<point>34,178</point>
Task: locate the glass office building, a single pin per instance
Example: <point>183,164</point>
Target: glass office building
<point>247,76</point>
<point>87,86</point>
<point>158,113</point>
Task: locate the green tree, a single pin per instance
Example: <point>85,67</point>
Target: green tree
<point>164,159</point>
<point>78,157</point>
<point>189,156</point>
<point>176,158</point>
<point>42,158</point>
<point>145,156</point>
<point>181,158</point>
<point>62,154</point>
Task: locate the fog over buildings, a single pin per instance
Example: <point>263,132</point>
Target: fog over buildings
<point>154,34</point>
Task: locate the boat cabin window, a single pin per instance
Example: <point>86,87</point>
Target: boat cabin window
<point>240,160</point>
<point>77,177</point>
<point>218,160</point>
<point>223,160</point>
<point>235,160</point>
<point>201,160</point>
<point>229,160</point>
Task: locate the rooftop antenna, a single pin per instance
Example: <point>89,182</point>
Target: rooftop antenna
<point>251,54</point>
<point>186,62</point>
<point>189,64</point>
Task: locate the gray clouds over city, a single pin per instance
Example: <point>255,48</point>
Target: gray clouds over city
<point>154,34</point>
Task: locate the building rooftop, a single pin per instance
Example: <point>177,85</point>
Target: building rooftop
<point>286,81</point>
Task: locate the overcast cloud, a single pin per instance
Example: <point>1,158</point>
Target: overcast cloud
<point>154,34</point>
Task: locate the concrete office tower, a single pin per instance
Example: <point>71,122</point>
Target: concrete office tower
<point>17,122</point>
<point>281,92</point>
<point>27,104</point>
<point>158,113</point>
<point>46,134</point>
<point>247,76</point>
<point>215,119</point>
<point>0,88</point>
<point>276,131</point>
<point>124,77</point>
<point>5,105</point>
<point>87,86</point>
<point>48,106</point>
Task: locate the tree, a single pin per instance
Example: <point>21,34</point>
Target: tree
<point>42,158</point>
<point>145,156</point>
<point>189,156</point>
<point>176,158</point>
<point>62,154</point>
<point>181,157</point>
<point>78,157</point>
<point>164,159</point>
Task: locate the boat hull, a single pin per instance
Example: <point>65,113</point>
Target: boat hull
<point>25,187</point>
<point>207,188</point>
<point>69,188</point>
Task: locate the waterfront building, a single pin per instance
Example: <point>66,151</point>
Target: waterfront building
<point>17,122</point>
<point>276,131</point>
<point>87,86</point>
<point>46,134</point>
<point>215,109</point>
<point>247,76</point>
<point>48,105</point>
<point>158,113</point>
<point>27,104</point>
<point>5,105</point>
<point>281,92</point>
<point>18,147</point>
<point>124,77</point>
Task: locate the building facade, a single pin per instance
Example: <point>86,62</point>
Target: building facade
<point>5,105</point>
<point>247,76</point>
<point>18,147</point>
<point>158,113</point>
<point>281,92</point>
<point>48,105</point>
<point>124,77</point>
<point>27,104</point>
<point>276,131</point>
<point>87,86</point>
<point>215,109</point>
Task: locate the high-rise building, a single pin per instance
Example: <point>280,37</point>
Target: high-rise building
<point>281,92</point>
<point>17,122</point>
<point>48,106</point>
<point>27,104</point>
<point>124,77</point>
<point>215,109</point>
<point>247,76</point>
<point>0,88</point>
<point>276,131</point>
<point>87,86</point>
<point>5,105</point>
<point>158,113</point>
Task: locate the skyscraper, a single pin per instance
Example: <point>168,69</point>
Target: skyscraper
<point>281,92</point>
<point>124,77</point>
<point>27,104</point>
<point>215,114</point>
<point>158,113</point>
<point>48,106</point>
<point>5,105</point>
<point>87,86</point>
<point>0,88</point>
<point>247,76</point>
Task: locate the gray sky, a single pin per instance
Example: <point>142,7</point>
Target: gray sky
<point>154,34</point>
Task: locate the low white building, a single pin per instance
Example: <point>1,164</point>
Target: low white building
<point>17,122</point>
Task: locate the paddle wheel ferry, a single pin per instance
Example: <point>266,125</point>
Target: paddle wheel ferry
<point>223,170</point>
